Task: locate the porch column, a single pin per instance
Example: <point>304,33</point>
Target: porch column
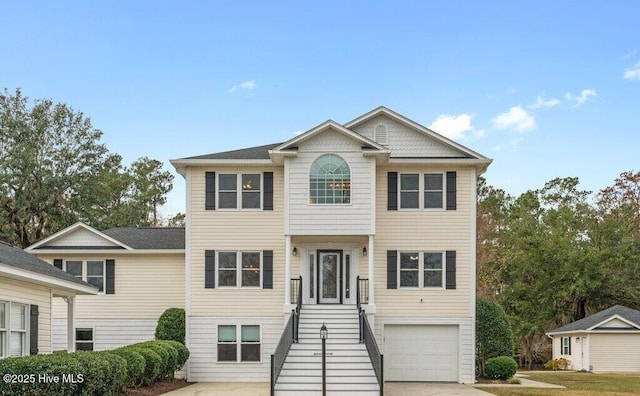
<point>371,257</point>
<point>71,317</point>
<point>287,272</point>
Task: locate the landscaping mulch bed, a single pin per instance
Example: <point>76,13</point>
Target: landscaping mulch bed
<point>158,388</point>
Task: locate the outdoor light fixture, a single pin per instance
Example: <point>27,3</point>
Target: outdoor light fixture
<point>364,251</point>
<point>294,251</point>
<point>324,333</point>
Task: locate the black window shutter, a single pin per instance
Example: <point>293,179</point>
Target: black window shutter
<point>392,191</point>
<point>57,263</point>
<point>33,331</point>
<point>451,269</point>
<point>209,269</point>
<point>110,286</point>
<point>267,269</point>
<point>569,345</point>
<point>392,269</point>
<point>451,190</point>
<point>267,195</point>
<point>210,190</point>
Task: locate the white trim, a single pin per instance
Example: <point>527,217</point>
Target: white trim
<point>287,273</point>
<point>473,263</point>
<point>87,252</point>
<point>45,280</point>
<point>615,316</point>
<point>181,165</point>
<point>287,217</point>
<point>72,228</point>
<point>187,264</point>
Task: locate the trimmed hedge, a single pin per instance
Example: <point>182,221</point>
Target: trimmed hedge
<point>171,325</point>
<point>501,367</point>
<point>92,373</point>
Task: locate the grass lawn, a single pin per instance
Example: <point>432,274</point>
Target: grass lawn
<point>582,384</point>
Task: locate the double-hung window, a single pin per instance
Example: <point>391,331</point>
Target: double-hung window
<point>84,339</point>
<point>421,269</point>
<point>90,271</point>
<point>239,190</point>
<point>421,190</point>
<point>247,350</point>
<point>239,269</point>
<point>4,325</point>
<point>566,346</point>
<point>14,325</point>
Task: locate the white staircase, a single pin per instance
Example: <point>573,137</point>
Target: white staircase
<point>349,370</point>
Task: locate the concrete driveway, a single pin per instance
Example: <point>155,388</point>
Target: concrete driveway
<point>390,389</point>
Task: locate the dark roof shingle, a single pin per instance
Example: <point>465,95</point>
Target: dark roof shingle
<point>18,258</point>
<point>583,324</point>
<point>258,152</point>
<point>148,237</point>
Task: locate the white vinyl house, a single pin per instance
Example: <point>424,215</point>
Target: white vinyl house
<point>376,215</point>
<point>607,341</point>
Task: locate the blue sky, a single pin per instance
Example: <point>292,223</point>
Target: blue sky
<point>546,88</point>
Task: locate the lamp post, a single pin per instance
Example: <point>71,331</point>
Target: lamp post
<point>324,333</point>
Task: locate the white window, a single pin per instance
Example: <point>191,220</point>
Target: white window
<point>4,325</point>
<point>84,339</point>
<point>422,190</point>
<point>14,325</point>
<point>90,271</point>
<point>239,269</point>
<point>247,350</point>
<point>329,181</point>
<point>240,190</point>
<point>566,346</point>
<point>421,269</point>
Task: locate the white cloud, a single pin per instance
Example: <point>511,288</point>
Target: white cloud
<point>633,73</point>
<point>516,118</point>
<point>579,100</point>
<point>540,102</point>
<point>247,85</point>
<point>456,127</point>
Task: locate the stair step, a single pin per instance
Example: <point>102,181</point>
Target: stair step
<point>329,393</point>
<point>310,372</point>
<point>330,387</point>
<point>317,365</point>
<point>317,379</point>
<point>330,359</point>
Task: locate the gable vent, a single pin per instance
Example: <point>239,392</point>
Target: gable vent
<point>380,134</point>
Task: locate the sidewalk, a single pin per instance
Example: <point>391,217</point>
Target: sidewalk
<point>524,383</point>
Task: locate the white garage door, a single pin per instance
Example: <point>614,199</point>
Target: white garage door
<point>421,353</point>
<point>615,352</point>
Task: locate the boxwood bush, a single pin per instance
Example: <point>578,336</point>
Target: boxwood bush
<point>171,325</point>
<point>183,353</point>
<point>92,373</point>
<point>501,367</point>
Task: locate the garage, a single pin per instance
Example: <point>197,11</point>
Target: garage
<point>615,352</point>
<point>421,353</point>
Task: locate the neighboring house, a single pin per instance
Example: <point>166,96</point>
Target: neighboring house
<point>607,341</point>
<point>27,287</point>
<point>139,273</point>
<point>381,198</point>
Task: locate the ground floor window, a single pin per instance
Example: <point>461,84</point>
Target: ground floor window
<point>14,326</point>
<point>84,339</point>
<point>566,346</point>
<point>247,350</point>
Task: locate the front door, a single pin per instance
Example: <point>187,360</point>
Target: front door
<point>329,265</point>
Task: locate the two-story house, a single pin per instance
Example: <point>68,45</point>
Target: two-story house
<point>378,213</point>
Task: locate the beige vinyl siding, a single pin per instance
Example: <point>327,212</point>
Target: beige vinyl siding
<point>404,141</point>
<point>615,352</point>
<point>145,286</point>
<point>29,293</point>
<point>353,218</point>
<point>438,230</point>
<point>236,230</point>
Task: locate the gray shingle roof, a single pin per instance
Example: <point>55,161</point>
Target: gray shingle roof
<point>18,258</point>
<point>148,237</point>
<point>583,324</point>
<point>258,152</point>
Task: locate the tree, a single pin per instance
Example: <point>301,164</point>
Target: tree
<point>493,332</point>
<point>54,171</point>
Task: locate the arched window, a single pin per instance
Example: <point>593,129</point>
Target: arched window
<point>330,181</point>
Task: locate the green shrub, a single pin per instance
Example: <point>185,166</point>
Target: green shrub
<point>171,325</point>
<point>183,353</point>
<point>171,359</point>
<point>152,364</point>
<point>135,365</point>
<point>493,332</point>
<point>557,364</point>
<point>501,367</point>
<point>164,357</point>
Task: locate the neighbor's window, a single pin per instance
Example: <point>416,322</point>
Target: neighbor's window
<point>3,327</point>
<point>421,269</point>
<point>239,269</point>
<point>90,271</point>
<point>18,330</point>
<point>249,184</point>
<point>84,339</point>
<point>330,181</point>
<point>566,345</point>
<point>249,343</point>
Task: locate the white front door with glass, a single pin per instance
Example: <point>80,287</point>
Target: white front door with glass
<point>329,268</point>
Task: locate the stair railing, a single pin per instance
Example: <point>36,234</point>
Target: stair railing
<point>366,334</point>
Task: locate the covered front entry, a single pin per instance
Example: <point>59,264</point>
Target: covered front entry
<point>329,274</point>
